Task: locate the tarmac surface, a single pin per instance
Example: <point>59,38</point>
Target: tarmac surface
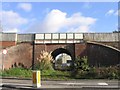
<point>82,84</point>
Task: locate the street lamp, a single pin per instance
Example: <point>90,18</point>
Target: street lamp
<point>4,53</point>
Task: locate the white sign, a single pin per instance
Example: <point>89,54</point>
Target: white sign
<point>62,36</point>
<point>78,36</point>
<point>39,36</point>
<point>4,51</point>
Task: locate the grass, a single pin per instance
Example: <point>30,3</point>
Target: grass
<point>45,74</point>
<point>95,73</point>
<point>55,75</point>
<point>17,72</point>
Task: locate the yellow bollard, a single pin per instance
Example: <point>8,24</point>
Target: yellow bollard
<point>36,77</point>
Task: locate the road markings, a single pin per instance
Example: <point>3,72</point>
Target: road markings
<point>72,83</point>
<point>103,84</point>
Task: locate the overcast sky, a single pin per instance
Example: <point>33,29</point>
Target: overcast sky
<point>54,17</point>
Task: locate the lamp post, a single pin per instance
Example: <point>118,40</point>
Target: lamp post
<point>4,53</point>
<point>33,52</point>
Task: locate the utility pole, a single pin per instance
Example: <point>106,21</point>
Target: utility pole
<point>33,52</point>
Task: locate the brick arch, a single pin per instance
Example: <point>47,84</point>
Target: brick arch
<point>58,51</point>
<point>61,47</point>
<point>102,55</point>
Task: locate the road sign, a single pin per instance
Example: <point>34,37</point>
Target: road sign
<point>4,51</point>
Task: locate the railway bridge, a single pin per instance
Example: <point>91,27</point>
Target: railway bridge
<point>102,49</point>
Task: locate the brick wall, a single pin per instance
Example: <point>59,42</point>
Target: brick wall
<point>17,56</point>
<point>21,54</point>
<point>99,55</point>
<point>5,44</point>
<point>52,47</point>
<point>80,50</point>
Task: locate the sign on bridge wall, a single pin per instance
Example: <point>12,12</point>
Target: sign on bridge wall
<point>59,38</point>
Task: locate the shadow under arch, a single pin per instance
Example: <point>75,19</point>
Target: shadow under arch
<point>58,51</point>
<point>102,55</point>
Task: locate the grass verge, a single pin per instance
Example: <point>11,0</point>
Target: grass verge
<point>45,74</point>
<point>93,73</point>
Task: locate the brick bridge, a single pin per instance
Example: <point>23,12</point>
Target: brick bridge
<point>101,49</point>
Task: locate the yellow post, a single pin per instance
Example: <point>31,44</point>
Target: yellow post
<point>36,77</point>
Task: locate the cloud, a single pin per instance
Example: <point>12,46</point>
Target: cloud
<point>54,21</point>
<point>11,20</point>
<point>25,6</point>
<point>57,21</point>
<point>113,12</point>
<point>110,12</point>
<point>13,30</point>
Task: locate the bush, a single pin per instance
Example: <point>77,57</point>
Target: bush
<point>44,61</point>
<point>83,71</point>
<point>80,66</point>
<point>92,73</point>
<point>81,63</point>
<point>111,72</point>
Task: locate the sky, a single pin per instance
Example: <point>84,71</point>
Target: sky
<point>59,17</point>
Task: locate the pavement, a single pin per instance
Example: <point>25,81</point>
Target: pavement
<point>82,84</point>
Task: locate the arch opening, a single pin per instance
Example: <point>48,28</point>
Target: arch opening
<point>62,59</point>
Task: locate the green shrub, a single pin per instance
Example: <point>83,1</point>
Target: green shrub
<point>92,73</point>
<point>81,63</point>
<point>81,74</point>
<point>44,61</point>
<point>111,72</point>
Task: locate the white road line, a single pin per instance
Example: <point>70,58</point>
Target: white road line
<point>72,83</point>
<point>103,84</point>
<point>1,84</point>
